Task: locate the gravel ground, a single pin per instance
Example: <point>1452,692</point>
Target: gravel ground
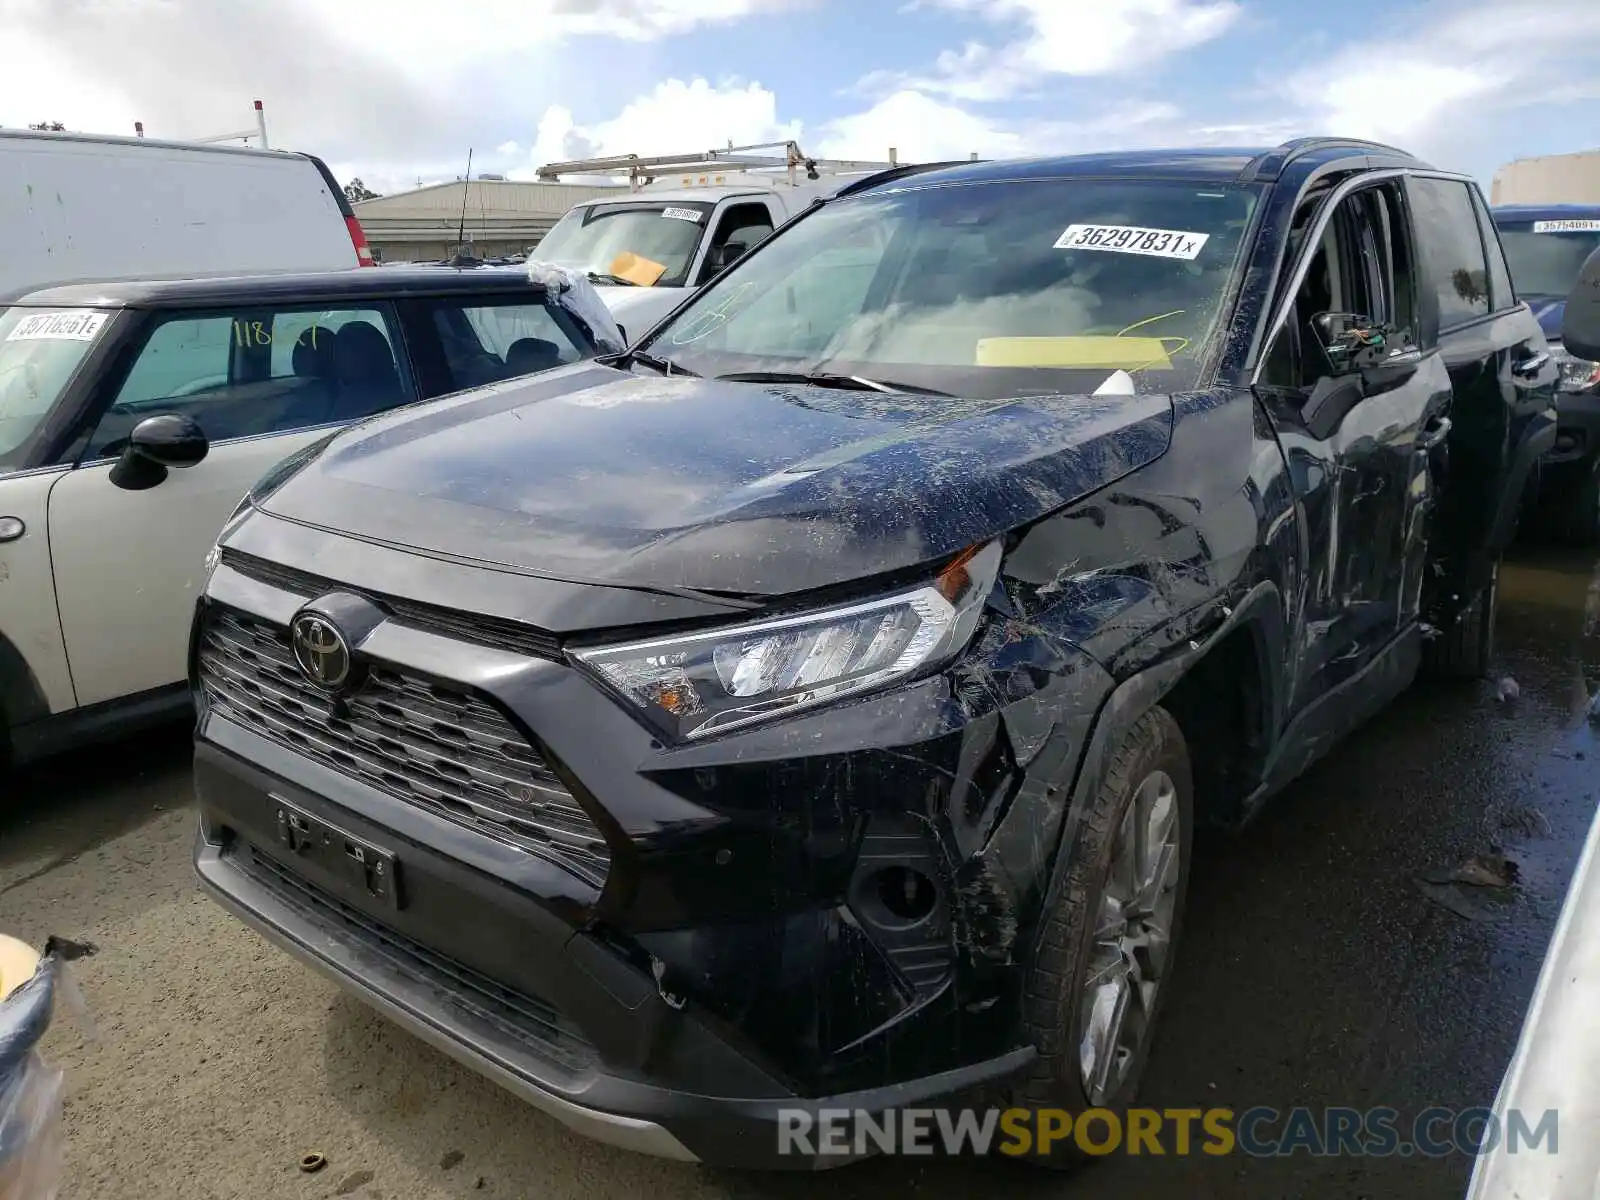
<point>1313,972</point>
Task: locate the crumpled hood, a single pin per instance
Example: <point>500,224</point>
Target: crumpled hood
<point>592,474</point>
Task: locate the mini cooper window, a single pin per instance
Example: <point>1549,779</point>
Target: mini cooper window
<point>40,349</point>
<point>982,291</point>
<point>258,371</point>
<point>485,343</point>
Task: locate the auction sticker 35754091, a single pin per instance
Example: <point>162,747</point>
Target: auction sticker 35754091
<point>1134,239</point>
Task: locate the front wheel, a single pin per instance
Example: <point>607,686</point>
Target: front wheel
<point>1096,985</point>
<point>1463,651</point>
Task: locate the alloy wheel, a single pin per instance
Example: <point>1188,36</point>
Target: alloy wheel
<point>1132,937</point>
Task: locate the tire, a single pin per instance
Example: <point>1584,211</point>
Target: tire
<point>1150,772</point>
<point>1464,650</point>
<point>1577,510</point>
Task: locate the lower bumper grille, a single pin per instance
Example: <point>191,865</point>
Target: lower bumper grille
<point>527,1018</point>
<point>423,742</point>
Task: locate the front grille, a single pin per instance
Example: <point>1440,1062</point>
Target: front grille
<point>527,1017</point>
<point>419,740</point>
<point>495,632</point>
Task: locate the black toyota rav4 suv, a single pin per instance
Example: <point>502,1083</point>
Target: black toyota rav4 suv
<point>810,708</point>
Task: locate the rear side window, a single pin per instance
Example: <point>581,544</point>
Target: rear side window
<point>1453,264</point>
<point>485,343</point>
<point>259,371</point>
<point>1502,294</point>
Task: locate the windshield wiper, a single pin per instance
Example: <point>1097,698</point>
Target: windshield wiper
<point>665,365</point>
<point>827,379</point>
<point>597,277</point>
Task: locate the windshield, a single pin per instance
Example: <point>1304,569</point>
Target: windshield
<point>984,291</point>
<point>39,351</point>
<point>647,245</point>
<point>1545,262</point>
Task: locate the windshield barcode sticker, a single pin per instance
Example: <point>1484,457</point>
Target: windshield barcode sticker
<point>1134,239</point>
<point>1570,225</point>
<point>682,214</point>
<point>76,326</point>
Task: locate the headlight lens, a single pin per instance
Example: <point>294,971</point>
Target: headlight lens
<point>697,685</point>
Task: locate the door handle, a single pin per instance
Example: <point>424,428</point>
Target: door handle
<point>1529,368</point>
<point>1434,434</point>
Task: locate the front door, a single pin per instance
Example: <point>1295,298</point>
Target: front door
<point>1359,454</point>
<point>261,384</point>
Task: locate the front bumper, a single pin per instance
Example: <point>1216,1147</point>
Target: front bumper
<point>406,984</point>
<point>733,965</point>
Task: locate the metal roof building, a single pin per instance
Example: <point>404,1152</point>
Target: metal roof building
<point>495,216</point>
<point>1549,179</point>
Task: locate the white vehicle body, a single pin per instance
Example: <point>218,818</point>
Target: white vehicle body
<point>1545,1115</point>
<point>103,385</point>
<point>723,214</point>
<point>74,207</point>
<point>649,249</point>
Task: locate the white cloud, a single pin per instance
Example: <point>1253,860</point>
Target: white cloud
<point>398,86</point>
<point>1437,92</point>
<point>1105,37</point>
<point>675,116</point>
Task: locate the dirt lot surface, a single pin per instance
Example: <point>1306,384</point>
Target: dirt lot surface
<point>1314,970</point>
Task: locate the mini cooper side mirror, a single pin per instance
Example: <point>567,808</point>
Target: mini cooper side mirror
<point>156,444</point>
<point>1580,322</point>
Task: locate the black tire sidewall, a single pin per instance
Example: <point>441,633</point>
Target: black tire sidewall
<point>1155,743</point>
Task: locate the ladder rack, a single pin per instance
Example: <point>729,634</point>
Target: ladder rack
<point>785,157</point>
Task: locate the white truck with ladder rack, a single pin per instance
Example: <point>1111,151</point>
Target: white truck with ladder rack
<point>683,218</point>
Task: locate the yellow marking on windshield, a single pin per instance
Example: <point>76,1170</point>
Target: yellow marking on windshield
<point>636,268</point>
<point>1083,353</point>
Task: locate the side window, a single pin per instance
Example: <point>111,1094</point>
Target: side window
<point>259,371</point>
<point>1502,293</point>
<point>1361,265</point>
<point>484,343</point>
<point>744,224</point>
<point>1453,264</point>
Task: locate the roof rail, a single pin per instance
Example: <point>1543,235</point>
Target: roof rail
<point>1271,164</point>
<point>894,173</point>
<point>641,170</point>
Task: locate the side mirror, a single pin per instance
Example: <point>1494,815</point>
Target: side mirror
<point>732,251</point>
<point>157,443</point>
<point>1580,322</point>
<point>1352,342</point>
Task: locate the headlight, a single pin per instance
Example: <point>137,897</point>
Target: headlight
<point>700,684</point>
<point>1577,374</point>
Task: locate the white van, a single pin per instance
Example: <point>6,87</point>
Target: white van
<point>76,207</point>
<point>686,217</point>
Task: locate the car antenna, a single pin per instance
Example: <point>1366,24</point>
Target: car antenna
<point>466,190</point>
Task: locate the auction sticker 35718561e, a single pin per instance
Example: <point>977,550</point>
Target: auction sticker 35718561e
<point>74,326</point>
<point>1134,239</point>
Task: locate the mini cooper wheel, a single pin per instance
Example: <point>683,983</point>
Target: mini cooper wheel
<point>1105,955</point>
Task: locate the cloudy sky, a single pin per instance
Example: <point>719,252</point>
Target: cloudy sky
<point>396,91</point>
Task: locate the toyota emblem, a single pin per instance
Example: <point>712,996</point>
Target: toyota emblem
<point>320,651</point>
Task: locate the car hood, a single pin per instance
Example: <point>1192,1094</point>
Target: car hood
<point>592,474</point>
<point>637,309</point>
